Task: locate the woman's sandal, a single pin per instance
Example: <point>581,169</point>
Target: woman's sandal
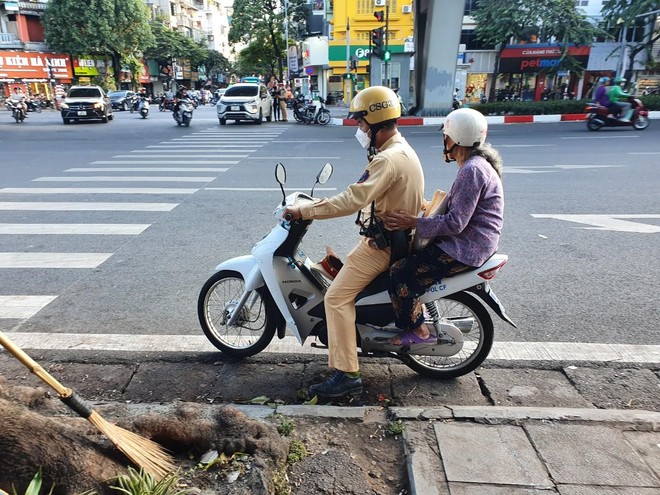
<point>410,338</point>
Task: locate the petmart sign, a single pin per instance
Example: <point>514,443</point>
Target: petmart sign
<point>536,58</point>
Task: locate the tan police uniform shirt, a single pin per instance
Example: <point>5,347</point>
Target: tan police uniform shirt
<point>394,179</point>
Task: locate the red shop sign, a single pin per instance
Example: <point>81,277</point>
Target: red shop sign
<point>34,65</point>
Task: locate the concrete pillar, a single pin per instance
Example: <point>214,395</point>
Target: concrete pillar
<point>438,26</point>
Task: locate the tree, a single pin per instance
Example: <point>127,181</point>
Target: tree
<point>262,22</point>
<point>115,28</point>
<point>501,21</point>
<point>216,63</point>
<point>257,58</point>
<point>629,17</point>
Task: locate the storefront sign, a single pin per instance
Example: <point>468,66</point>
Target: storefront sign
<point>535,58</point>
<point>85,67</point>
<point>34,65</point>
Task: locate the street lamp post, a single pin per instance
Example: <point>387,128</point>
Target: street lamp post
<point>286,35</point>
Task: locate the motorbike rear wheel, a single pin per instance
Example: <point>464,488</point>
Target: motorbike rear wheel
<point>478,340</point>
<point>323,118</point>
<point>256,324</point>
<point>594,124</point>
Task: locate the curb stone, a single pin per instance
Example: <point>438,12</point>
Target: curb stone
<point>492,119</point>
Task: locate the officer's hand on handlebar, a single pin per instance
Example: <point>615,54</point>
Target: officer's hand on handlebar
<point>292,213</point>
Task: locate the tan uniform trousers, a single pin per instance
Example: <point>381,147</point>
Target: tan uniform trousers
<point>283,109</point>
<point>363,264</point>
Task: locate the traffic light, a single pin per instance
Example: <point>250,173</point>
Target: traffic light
<point>377,42</point>
<point>348,75</point>
<point>387,55</point>
<point>379,15</point>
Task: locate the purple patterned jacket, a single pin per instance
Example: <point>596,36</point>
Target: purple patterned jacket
<point>470,229</point>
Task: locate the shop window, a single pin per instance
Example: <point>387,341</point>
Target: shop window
<point>470,5</point>
<point>471,42</point>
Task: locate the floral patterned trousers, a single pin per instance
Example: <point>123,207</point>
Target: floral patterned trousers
<point>412,276</point>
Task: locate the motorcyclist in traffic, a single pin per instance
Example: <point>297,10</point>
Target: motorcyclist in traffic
<point>616,94</point>
<point>392,180</point>
<point>181,94</point>
<point>18,99</point>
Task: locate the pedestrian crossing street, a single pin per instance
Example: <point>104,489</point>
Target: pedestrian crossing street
<point>186,164</point>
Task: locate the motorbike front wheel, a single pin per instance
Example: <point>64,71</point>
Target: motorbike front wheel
<point>256,324</point>
<point>641,122</point>
<point>478,333</point>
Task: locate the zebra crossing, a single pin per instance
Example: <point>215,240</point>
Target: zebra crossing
<point>188,163</point>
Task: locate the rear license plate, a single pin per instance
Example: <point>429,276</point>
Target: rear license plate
<point>82,112</point>
<point>235,108</point>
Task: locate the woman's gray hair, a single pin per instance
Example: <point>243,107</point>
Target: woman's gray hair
<point>491,155</point>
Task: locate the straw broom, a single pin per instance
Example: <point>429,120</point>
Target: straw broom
<point>141,451</point>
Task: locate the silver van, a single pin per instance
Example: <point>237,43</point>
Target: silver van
<point>245,101</point>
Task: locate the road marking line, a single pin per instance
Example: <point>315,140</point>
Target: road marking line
<point>95,190</point>
<point>173,153</point>
<point>118,178</point>
<point>516,170</point>
<point>233,147</point>
<point>73,206</point>
<point>147,169</point>
<point>608,136</point>
<point>165,161</point>
<point>644,152</point>
<point>617,223</point>
<point>22,307</point>
<point>295,158</point>
<point>52,260</point>
<point>502,351</point>
<point>265,189</point>
<point>72,228</point>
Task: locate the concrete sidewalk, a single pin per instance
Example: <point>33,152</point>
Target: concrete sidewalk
<point>541,430</point>
<point>339,114</point>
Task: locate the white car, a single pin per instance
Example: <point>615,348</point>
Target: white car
<point>245,101</point>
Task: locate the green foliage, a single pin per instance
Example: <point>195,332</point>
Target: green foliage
<point>297,452</point>
<point>281,482</point>
<point>107,27</point>
<point>549,107</point>
<point>168,44</point>
<point>286,427</point>
<point>142,483</point>
<point>260,25</point>
<point>34,488</point>
<point>395,427</point>
<point>627,14</point>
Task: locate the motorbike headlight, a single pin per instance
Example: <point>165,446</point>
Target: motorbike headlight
<point>64,105</point>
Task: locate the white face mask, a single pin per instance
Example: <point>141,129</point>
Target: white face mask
<point>363,138</point>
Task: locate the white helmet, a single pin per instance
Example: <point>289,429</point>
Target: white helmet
<point>466,127</point>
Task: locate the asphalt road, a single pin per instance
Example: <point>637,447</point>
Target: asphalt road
<point>582,222</point>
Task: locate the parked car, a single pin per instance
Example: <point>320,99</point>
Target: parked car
<point>245,101</point>
<point>86,103</point>
<point>121,100</point>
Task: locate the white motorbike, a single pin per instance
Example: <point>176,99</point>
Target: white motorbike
<point>250,299</point>
<point>144,107</point>
<point>184,115</point>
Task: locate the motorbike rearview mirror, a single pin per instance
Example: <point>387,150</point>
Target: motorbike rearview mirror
<point>280,177</point>
<point>323,176</point>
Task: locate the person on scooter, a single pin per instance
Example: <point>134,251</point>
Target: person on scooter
<point>615,95</point>
<point>392,180</point>
<point>464,237</point>
<point>181,94</point>
<point>18,99</point>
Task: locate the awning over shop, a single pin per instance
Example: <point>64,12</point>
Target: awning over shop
<point>34,65</point>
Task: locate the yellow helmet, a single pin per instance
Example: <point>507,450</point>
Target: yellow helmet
<point>375,104</point>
